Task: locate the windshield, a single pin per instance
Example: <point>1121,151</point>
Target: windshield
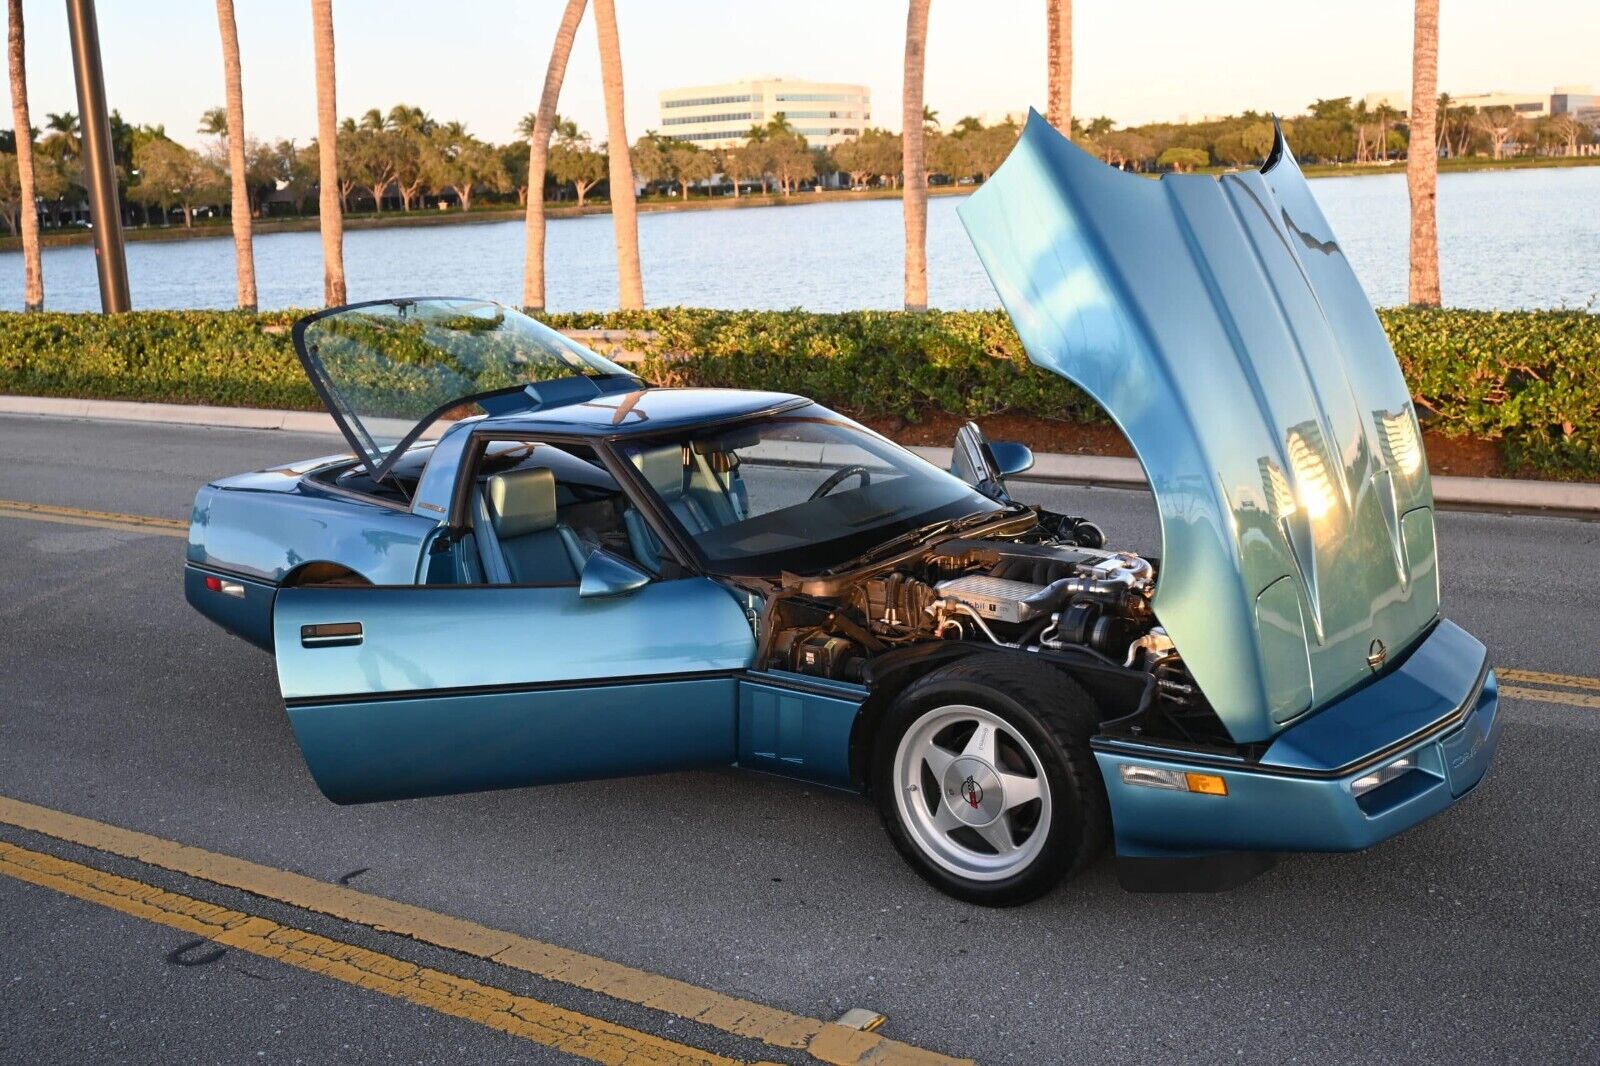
<point>803,491</point>
<point>388,370</point>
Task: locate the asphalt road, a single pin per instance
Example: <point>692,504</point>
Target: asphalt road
<point>1472,938</point>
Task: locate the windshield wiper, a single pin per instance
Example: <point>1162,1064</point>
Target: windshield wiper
<point>926,533</point>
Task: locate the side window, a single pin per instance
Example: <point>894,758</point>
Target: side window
<point>537,510</point>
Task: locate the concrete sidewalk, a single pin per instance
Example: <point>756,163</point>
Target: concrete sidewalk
<point>1466,493</point>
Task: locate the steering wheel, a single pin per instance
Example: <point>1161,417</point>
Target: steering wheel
<point>839,475</point>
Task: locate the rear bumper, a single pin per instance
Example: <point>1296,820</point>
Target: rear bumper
<point>1438,709</point>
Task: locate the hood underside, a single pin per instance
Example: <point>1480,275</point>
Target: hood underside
<point>1219,324</point>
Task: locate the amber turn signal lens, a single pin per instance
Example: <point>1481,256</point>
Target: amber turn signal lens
<point>1210,784</point>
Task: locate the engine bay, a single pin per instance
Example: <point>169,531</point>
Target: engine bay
<point>1039,592</point>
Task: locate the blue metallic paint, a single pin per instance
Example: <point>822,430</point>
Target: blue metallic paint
<point>793,725</point>
<point>455,689</point>
<point>267,524</point>
<point>248,616</point>
<point>429,746</point>
<point>1287,803</point>
<point>440,637</point>
<point>1218,322</point>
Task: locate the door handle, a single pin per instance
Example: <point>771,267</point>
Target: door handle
<point>330,635</point>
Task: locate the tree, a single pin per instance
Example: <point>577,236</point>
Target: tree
<point>408,152</point>
<point>1567,132</point>
<point>27,194</point>
<point>913,164</point>
<point>10,191</point>
<point>689,164</point>
<point>64,129</point>
<point>1182,159</point>
<point>294,170</point>
<point>573,162</point>
<point>328,203</point>
<point>1240,145</point>
<point>462,163</point>
<point>755,157</point>
<point>171,175</point>
<point>652,160</point>
<point>1122,148</point>
<point>730,161</point>
<point>1501,125</point>
<point>855,158</point>
<point>1058,48</point>
<point>1422,156</point>
<point>624,211</point>
<point>370,157</point>
<point>244,261</point>
<point>790,160</point>
<point>514,161</point>
<point>214,122</point>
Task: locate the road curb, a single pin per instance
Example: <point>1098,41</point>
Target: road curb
<point>1465,493</point>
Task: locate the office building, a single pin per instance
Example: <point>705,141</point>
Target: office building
<point>717,116</point>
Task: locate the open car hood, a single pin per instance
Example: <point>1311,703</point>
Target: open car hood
<point>388,370</point>
<point>1219,324</point>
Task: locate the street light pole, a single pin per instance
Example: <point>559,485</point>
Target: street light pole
<point>99,168</point>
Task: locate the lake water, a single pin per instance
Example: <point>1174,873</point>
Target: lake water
<point>1508,239</point>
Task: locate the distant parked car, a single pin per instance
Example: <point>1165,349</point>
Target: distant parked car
<point>535,567</point>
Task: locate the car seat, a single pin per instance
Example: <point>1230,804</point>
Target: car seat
<point>530,544</point>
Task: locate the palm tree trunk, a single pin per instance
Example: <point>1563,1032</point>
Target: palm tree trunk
<point>913,163</point>
<point>1422,156</point>
<point>539,155</point>
<point>332,220</point>
<point>1058,47</point>
<point>28,207</point>
<point>624,211</point>
<point>244,263</point>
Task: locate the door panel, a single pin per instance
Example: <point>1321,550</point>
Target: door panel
<point>396,692</point>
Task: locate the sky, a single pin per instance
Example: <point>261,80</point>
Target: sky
<point>483,63</point>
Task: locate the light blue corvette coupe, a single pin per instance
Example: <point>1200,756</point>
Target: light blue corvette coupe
<point>534,567</point>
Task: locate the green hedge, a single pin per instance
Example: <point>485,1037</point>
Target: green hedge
<point>1528,379</point>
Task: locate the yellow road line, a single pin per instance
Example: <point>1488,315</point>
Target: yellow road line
<point>520,1016</point>
<point>77,516</point>
<point>1535,677</point>
<point>1547,695</point>
<point>824,1041</point>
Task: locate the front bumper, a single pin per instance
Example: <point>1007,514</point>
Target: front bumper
<point>1438,708</point>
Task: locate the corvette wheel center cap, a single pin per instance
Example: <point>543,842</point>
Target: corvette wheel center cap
<point>973,791</point>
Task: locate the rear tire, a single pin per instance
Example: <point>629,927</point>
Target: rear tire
<point>985,782</point>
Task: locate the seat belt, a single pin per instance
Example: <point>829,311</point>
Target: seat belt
<point>495,571</point>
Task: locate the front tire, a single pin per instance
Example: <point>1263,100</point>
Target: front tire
<point>985,782</point>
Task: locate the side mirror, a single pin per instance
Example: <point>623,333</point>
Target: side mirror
<point>1011,457</point>
<point>605,574</point>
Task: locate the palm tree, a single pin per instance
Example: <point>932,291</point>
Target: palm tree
<point>913,163</point>
<point>537,127</point>
<point>33,285</point>
<point>1058,47</point>
<point>332,215</point>
<point>1422,156</point>
<point>244,260</point>
<point>214,123</point>
<point>624,211</point>
<point>64,129</point>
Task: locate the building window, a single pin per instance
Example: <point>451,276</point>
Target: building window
<point>730,117</point>
<point>704,100</point>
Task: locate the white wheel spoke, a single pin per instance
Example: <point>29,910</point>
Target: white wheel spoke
<point>981,744</point>
<point>1018,789</point>
<point>998,834</point>
<point>945,820</point>
<point>938,760</point>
